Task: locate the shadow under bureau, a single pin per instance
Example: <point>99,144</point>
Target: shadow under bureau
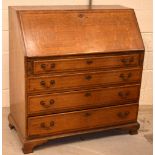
<point>73,70</point>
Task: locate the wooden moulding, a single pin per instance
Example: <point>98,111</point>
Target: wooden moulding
<point>30,144</point>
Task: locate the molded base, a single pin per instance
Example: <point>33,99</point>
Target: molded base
<point>30,144</point>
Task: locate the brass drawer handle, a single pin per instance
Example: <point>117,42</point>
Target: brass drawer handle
<point>88,77</point>
<point>127,61</point>
<point>47,105</point>
<point>52,65</point>
<point>52,82</point>
<point>124,95</point>
<point>89,62</point>
<point>44,67</point>
<point>88,94</point>
<point>43,125</point>
<point>43,84</point>
<point>125,77</point>
<point>123,114</point>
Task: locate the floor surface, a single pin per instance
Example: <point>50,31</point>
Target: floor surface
<point>107,143</point>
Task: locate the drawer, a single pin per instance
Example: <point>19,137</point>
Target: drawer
<point>50,66</point>
<point>81,120</point>
<point>47,83</point>
<point>60,102</point>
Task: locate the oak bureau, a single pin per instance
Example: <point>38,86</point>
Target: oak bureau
<point>73,70</point>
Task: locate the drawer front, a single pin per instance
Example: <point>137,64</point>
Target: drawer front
<point>77,100</point>
<point>50,66</point>
<point>81,120</point>
<point>83,80</point>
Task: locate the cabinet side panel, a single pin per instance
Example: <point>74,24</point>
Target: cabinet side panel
<point>17,72</point>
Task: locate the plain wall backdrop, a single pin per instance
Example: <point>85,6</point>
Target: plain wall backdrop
<point>144,13</point>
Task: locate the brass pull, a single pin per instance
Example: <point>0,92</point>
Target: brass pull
<point>89,62</point>
<point>127,61</point>
<point>44,67</point>
<point>47,105</point>
<point>47,127</point>
<point>43,83</point>
<point>88,77</point>
<point>52,65</point>
<point>124,95</point>
<point>88,94</point>
<point>125,77</point>
<point>123,114</point>
<point>87,114</point>
<point>52,82</point>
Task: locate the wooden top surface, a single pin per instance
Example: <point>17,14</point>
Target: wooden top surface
<point>65,31</point>
<point>68,7</point>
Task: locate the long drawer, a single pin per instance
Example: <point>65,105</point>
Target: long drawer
<point>50,66</point>
<point>47,83</point>
<point>60,102</point>
<point>81,120</point>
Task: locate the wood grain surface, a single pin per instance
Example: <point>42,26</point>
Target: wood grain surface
<point>49,33</point>
<point>17,73</point>
<point>82,120</point>
<point>77,100</point>
<point>86,79</point>
<point>72,64</point>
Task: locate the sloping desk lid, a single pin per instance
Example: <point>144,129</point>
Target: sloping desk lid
<point>64,32</point>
